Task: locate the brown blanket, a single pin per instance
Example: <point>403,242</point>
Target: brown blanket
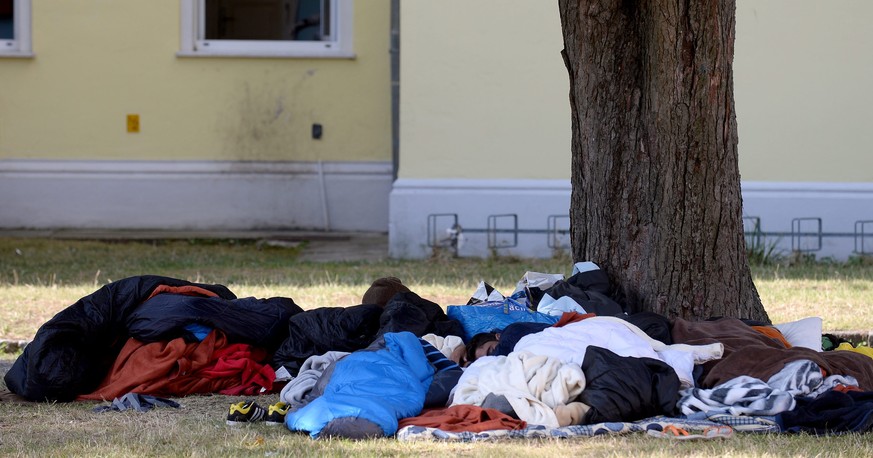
<point>748,352</point>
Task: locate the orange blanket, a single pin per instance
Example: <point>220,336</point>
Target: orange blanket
<point>464,417</point>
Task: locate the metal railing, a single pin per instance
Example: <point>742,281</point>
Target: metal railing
<point>806,233</point>
<point>496,225</point>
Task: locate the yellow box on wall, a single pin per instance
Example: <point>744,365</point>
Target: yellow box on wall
<point>133,123</point>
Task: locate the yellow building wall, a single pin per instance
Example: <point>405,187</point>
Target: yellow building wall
<point>485,95</point>
<point>802,75</point>
<point>98,61</point>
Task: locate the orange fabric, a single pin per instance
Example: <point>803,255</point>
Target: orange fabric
<point>571,317</point>
<point>178,368</point>
<point>674,430</point>
<point>464,417</point>
<point>190,290</point>
<point>772,333</point>
<point>846,388</point>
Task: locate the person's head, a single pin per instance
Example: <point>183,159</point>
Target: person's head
<point>480,345</point>
<point>382,290</point>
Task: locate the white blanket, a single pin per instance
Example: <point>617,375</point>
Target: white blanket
<point>538,388</point>
<point>446,345</point>
<point>570,342</point>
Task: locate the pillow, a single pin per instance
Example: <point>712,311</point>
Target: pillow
<point>805,332</point>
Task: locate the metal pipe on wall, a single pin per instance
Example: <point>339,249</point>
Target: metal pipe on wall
<point>395,86</point>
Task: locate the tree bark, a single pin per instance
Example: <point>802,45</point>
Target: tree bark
<point>656,185</point>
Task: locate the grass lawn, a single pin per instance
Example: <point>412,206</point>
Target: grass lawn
<point>39,277</point>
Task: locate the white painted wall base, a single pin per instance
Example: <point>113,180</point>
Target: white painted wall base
<point>839,205</point>
<point>473,201</point>
<point>359,197</point>
<point>347,196</point>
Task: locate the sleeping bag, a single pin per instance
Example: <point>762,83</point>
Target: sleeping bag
<point>348,329</point>
<point>73,351</point>
<point>370,388</point>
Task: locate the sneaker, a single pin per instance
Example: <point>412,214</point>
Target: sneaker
<point>245,412</point>
<point>276,413</point>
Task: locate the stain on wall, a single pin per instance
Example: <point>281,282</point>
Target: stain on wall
<point>270,120</point>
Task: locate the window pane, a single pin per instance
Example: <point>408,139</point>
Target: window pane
<point>7,20</point>
<point>280,20</point>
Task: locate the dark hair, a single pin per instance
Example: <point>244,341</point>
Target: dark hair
<point>477,341</point>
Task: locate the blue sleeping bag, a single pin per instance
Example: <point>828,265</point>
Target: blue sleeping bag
<point>381,386</point>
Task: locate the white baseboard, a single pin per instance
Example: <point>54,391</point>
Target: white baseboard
<point>533,201</point>
<point>839,205</point>
<point>185,195</point>
<point>358,196</point>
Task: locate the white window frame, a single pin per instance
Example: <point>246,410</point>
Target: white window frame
<point>193,42</point>
<point>20,44</point>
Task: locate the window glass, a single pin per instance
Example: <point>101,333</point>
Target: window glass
<point>7,20</point>
<point>270,28</point>
<point>15,28</point>
<point>284,20</point>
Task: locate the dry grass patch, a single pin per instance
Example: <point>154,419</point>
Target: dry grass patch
<point>38,278</point>
<point>198,429</point>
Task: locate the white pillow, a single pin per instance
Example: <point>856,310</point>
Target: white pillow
<point>805,332</point>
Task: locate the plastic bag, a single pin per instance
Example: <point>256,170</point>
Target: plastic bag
<point>494,316</point>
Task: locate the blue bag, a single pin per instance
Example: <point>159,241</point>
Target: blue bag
<point>494,316</point>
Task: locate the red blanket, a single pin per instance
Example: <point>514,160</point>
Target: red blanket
<point>178,368</point>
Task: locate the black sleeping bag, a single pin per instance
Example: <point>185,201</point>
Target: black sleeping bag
<point>590,289</point>
<point>259,322</point>
<point>317,331</point>
<point>410,312</point>
<point>655,325</point>
<point>624,388</point>
<point>73,351</point>
<point>592,301</point>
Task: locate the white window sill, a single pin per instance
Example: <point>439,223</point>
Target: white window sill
<point>268,54</point>
<point>17,55</point>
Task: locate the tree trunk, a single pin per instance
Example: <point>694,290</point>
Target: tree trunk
<point>656,185</point>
